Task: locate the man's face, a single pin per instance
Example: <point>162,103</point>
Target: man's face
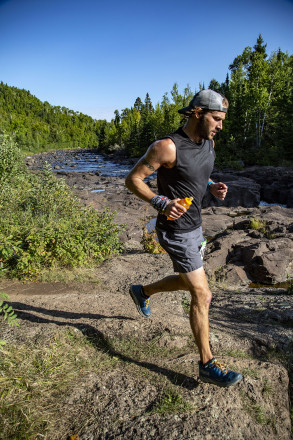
<point>210,124</point>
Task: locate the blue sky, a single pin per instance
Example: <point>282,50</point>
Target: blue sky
<point>96,56</point>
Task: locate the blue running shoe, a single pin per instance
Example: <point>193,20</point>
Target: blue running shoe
<point>141,303</point>
<point>215,373</point>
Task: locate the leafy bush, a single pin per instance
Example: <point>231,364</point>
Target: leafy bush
<point>43,225</point>
<point>150,243</point>
<point>10,157</point>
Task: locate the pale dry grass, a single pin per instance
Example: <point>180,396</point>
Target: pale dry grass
<point>63,275</point>
<point>35,379</point>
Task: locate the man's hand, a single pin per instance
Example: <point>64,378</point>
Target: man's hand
<point>174,210</point>
<point>219,190</point>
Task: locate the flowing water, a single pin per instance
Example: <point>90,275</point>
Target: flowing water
<point>83,162</point>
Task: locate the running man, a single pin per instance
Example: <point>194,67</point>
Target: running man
<point>184,161</point>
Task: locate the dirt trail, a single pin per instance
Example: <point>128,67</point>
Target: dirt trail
<point>117,404</point>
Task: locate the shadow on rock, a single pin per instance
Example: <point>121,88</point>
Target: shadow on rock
<point>22,308</point>
<point>98,340</point>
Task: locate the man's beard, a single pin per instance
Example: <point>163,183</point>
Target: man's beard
<point>203,128</point>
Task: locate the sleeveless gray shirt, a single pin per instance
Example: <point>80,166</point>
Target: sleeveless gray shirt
<point>188,178</point>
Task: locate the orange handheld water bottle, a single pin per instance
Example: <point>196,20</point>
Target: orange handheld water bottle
<point>186,202</point>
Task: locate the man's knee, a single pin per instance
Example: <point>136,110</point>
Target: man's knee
<point>201,297</point>
<point>198,287</point>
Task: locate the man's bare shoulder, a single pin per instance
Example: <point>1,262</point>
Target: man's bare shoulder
<point>164,150</point>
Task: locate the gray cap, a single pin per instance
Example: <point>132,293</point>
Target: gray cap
<point>207,99</point>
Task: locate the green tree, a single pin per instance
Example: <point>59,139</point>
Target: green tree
<point>138,105</point>
<point>260,87</point>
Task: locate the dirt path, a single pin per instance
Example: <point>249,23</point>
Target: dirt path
<point>118,403</point>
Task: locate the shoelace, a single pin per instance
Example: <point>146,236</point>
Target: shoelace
<point>147,302</point>
<point>220,366</point>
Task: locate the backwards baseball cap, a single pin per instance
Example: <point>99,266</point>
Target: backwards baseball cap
<point>207,99</point>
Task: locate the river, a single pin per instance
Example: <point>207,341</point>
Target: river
<point>84,162</point>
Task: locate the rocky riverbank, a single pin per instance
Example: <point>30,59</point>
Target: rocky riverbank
<point>246,187</point>
<point>247,243</point>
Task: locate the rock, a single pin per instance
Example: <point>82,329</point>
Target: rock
<point>29,160</point>
<point>215,224</point>
<point>219,254</point>
<point>249,186</point>
<point>276,183</point>
<point>275,193</point>
<point>236,275</point>
<point>269,261</point>
<point>243,254</point>
<point>290,198</point>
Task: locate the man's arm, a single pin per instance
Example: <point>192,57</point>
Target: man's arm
<point>160,153</point>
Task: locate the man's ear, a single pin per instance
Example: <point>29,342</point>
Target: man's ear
<point>197,112</point>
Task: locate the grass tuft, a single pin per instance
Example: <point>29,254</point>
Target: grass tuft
<point>254,374</point>
<point>172,402</point>
<point>257,224</point>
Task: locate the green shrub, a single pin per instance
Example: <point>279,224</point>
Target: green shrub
<point>43,225</point>
<point>10,157</point>
<point>150,243</point>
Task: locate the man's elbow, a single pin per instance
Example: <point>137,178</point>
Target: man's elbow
<point>129,182</point>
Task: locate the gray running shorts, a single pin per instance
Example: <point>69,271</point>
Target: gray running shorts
<point>186,249</point>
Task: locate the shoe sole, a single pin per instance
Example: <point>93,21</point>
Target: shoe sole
<point>220,384</point>
<point>132,294</point>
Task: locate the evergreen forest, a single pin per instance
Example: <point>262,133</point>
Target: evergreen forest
<point>258,127</point>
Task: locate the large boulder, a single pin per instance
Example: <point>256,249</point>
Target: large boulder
<point>276,183</point>
<point>267,261</point>
<point>260,254</point>
<point>241,192</point>
<point>251,185</point>
<point>290,198</point>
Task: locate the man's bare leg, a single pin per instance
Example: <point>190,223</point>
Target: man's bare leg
<point>167,284</point>
<point>210,370</point>
<point>199,310</point>
<point>198,287</point>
